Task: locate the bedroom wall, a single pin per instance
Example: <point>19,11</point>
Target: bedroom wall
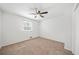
<point>59,26</point>
<point>59,29</point>
<point>73,32</point>
<point>0,27</point>
<point>13,30</point>
<point>76,40</point>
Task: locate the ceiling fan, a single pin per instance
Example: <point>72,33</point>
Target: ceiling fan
<point>38,12</point>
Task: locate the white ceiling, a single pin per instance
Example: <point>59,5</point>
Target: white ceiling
<point>25,9</point>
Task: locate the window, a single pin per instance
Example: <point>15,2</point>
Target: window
<point>27,26</point>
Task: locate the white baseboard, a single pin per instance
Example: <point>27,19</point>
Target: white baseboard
<point>6,44</point>
<point>52,38</point>
<point>67,48</point>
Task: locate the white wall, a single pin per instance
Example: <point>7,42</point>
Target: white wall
<point>76,40</point>
<point>73,32</point>
<point>0,28</point>
<point>12,29</point>
<point>59,29</point>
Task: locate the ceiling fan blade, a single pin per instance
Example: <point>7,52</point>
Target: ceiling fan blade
<point>41,16</point>
<point>44,13</point>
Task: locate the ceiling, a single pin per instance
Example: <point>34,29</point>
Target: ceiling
<point>25,9</point>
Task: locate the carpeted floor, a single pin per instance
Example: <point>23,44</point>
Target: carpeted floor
<point>37,46</point>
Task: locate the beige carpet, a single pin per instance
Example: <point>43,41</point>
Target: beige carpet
<point>37,46</point>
